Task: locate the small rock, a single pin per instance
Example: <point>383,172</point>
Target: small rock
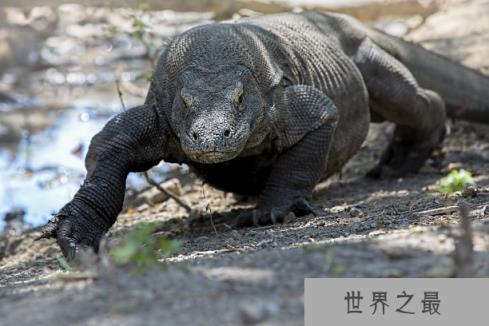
<point>339,208</point>
<point>142,208</point>
<point>153,196</point>
<point>290,217</point>
<point>485,210</point>
<point>254,313</point>
<point>356,212</point>
<point>469,191</point>
<point>440,272</point>
<point>375,233</point>
<point>397,252</point>
<point>14,221</point>
<point>235,234</point>
<point>454,166</point>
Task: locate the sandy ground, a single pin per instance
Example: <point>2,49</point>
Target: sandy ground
<point>226,276</point>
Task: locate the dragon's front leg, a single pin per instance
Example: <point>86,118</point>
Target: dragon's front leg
<point>132,141</point>
<point>311,121</point>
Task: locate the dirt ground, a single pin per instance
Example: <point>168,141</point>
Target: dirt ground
<point>227,276</point>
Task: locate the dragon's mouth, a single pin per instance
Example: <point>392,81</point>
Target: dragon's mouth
<point>214,156</point>
<point>213,149</point>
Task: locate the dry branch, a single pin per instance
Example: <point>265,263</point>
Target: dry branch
<point>463,254</point>
<point>437,211</point>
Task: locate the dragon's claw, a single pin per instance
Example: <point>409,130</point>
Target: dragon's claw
<point>265,216</point>
<point>71,235</point>
<point>50,230</point>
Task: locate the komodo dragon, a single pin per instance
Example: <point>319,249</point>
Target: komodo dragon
<point>270,106</point>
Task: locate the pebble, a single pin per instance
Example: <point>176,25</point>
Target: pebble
<point>469,191</point>
<point>254,313</point>
<point>356,212</point>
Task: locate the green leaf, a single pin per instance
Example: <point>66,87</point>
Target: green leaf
<point>144,6</point>
<point>456,180</point>
<point>64,264</point>
<point>149,76</point>
<point>125,253</point>
<point>142,248</point>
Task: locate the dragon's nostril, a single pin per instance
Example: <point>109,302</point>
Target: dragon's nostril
<point>194,135</point>
<point>227,132</point>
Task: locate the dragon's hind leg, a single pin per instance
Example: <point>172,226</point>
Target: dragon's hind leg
<point>419,114</point>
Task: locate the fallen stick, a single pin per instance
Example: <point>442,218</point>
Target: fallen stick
<point>463,255</point>
<point>166,192</point>
<point>438,211</point>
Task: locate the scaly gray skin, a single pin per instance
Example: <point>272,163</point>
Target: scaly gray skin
<point>270,106</point>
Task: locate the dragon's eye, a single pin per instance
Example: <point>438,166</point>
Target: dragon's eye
<point>238,97</point>
<point>186,101</point>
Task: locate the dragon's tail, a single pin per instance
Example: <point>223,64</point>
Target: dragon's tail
<point>465,91</point>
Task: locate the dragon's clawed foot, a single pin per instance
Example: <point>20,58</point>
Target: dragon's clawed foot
<point>71,234</point>
<point>265,216</point>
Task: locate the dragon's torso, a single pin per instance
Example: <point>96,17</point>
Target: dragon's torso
<point>313,53</point>
<point>305,53</point>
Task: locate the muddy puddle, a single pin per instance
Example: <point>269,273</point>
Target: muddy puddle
<point>40,170</point>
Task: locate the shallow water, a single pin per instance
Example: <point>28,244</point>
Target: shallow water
<point>46,169</point>
<point>44,172</point>
<point>42,157</point>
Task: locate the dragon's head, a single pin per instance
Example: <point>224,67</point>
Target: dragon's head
<point>222,80</point>
<point>216,111</point>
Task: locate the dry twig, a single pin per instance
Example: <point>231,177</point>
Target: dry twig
<point>437,211</point>
<point>463,254</point>
<point>166,192</point>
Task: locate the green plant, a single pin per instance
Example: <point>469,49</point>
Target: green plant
<point>143,248</point>
<point>64,264</point>
<point>140,28</point>
<point>456,180</point>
